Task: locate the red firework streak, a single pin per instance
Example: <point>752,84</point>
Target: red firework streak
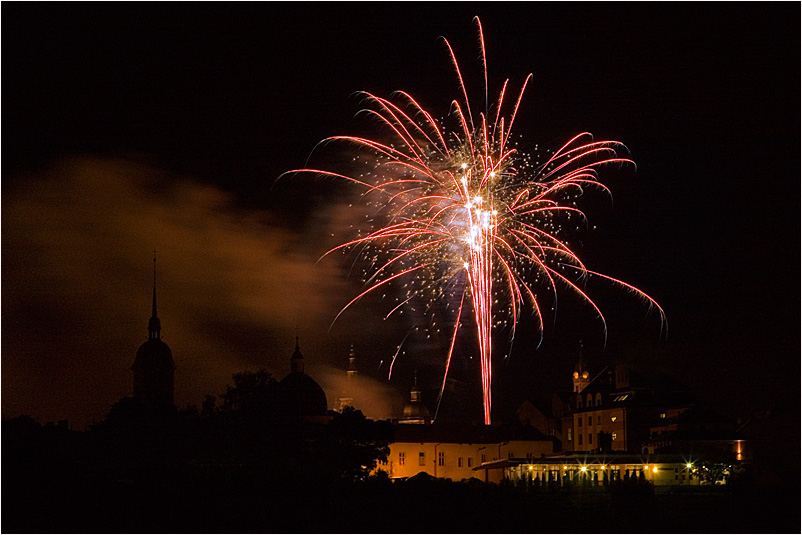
<point>466,212</point>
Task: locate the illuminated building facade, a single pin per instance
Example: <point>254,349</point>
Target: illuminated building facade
<point>617,410</point>
<point>455,451</point>
<point>603,469</point>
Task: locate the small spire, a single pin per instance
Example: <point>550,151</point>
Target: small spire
<point>154,284</point>
<point>154,325</point>
<point>414,393</point>
<point>297,359</point>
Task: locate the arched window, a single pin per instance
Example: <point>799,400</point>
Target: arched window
<point>598,399</point>
<point>579,401</point>
<point>590,400</point>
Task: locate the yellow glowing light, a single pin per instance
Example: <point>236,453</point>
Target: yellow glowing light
<point>531,467</point>
<point>565,468</point>
<point>602,467</point>
<point>646,467</point>
<point>584,468</point>
<point>654,469</point>
<point>464,166</point>
<point>492,174</point>
<point>688,465</point>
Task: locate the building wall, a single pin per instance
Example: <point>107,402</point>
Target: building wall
<point>457,461</point>
<point>591,422</point>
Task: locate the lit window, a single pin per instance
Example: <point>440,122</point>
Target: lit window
<point>470,462</point>
<point>570,438</point>
<point>459,462</point>
<point>613,418</point>
<point>615,436</point>
<point>421,459</point>
<point>662,415</point>
<point>484,457</point>
<point>401,458</point>
<point>441,458</point>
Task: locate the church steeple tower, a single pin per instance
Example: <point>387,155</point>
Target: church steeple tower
<point>153,368</point>
<point>415,412</point>
<point>351,372</point>
<point>581,376</point>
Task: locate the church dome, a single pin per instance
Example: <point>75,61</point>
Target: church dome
<point>303,395</point>
<point>154,355</point>
<point>299,392</point>
<point>415,410</point>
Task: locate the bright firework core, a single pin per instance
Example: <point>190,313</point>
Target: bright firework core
<point>466,213</point>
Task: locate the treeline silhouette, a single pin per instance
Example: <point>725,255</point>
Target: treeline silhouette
<point>251,462</point>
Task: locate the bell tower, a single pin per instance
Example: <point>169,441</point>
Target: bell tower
<point>581,376</point>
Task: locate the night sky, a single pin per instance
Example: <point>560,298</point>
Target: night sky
<point>129,128</point>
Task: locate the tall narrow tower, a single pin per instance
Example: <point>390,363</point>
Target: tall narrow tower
<point>153,368</point>
<point>347,397</point>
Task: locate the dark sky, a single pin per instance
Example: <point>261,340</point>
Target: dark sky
<point>133,127</point>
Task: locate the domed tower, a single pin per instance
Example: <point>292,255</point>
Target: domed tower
<point>581,376</point>
<point>415,412</point>
<point>153,368</point>
<point>301,394</point>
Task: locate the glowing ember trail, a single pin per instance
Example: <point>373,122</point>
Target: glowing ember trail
<point>467,212</point>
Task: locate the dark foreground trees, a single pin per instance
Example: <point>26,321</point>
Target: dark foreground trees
<point>244,465</point>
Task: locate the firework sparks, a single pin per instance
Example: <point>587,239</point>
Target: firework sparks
<point>465,213</point>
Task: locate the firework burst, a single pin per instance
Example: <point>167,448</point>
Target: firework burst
<point>469,222</point>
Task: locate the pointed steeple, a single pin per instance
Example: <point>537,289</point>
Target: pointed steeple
<point>297,359</point>
<point>414,393</point>
<point>154,325</point>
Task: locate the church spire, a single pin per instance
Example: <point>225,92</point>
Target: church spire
<point>297,359</point>
<point>154,325</point>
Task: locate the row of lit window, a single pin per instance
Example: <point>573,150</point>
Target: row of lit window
<point>441,459</point>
